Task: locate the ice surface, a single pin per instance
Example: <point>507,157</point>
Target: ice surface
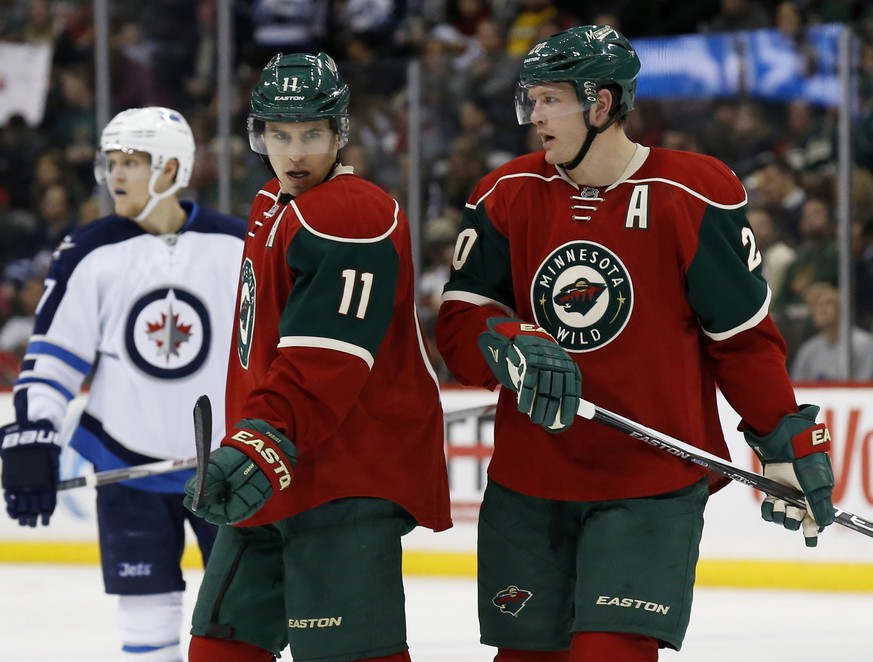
<point>59,613</point>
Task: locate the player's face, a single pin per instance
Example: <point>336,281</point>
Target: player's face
<point>127,177</point>
<point>557,115</point>
<point>301,153</point>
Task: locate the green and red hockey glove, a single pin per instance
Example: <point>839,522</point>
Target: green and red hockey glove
<point>796,454</point>
<point>255,462</point>
<point>31,453</point>
<point>527,360</point>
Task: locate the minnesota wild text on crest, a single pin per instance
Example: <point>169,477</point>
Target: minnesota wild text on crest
<point>570,256</point>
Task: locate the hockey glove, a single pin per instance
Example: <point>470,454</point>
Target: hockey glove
<point>254,462</point>
<point>30,454</point>
<point>527,360</point>
<point>796,454</point>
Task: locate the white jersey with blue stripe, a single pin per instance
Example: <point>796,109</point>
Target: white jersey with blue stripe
<point>152,316</point>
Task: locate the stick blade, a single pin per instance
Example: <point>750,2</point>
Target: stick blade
<point>202,444</point>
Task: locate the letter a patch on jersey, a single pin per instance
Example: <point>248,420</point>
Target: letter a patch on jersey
<point>511,600</point>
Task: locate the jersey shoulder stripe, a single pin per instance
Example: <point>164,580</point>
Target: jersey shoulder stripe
<point>698,175</point>
<point>348,209</point>
<point>208,221</point>
<point>328,343</point>
<point>516,171</point>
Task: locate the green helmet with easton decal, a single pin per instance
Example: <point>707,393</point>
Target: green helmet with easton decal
<point>589,56</point>
<point>299,87</point>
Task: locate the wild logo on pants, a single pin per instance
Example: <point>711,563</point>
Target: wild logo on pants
<point>511,600</point>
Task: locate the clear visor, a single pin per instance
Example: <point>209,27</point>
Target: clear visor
<point>546,101</point>
<point>293,139</point>
<point>105,165</point>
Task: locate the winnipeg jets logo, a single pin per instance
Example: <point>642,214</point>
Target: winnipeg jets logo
<point>65,245</point>
<point>582,295</point>
<point>511,600</point>
<point>168,333</point>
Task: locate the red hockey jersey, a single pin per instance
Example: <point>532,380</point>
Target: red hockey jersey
<point>328,349</point>
<point>654,286</point>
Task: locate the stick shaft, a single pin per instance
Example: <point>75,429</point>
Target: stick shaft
<point>128,473</point>
<point>202,443</point>
<point>712,462</point>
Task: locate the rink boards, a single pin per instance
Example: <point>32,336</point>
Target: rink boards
<point>738,548</point>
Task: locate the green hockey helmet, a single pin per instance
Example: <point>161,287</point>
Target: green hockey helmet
<point>589,56</point>
<point>299,87</point>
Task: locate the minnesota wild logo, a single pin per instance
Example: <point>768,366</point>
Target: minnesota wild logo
<point>582,294</point>
<point>246,320</point>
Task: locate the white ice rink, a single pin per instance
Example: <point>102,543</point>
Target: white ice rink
<point>58,613</point>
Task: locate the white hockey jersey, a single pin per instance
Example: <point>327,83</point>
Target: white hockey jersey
<point>152,316</point>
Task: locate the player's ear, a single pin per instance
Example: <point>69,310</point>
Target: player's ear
<point>171,169</point>
<point>604,101</point>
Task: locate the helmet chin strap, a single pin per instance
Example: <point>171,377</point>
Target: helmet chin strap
<point>155,198</point>
<point>592,134</point>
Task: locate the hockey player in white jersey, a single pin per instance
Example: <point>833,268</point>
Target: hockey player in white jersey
<point>142,300</point>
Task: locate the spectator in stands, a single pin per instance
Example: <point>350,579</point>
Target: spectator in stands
<point>820,357</point>
<point>133,80</point>
<point>200,85</point>
<point>20,148</point>
<point>56,218</point>
<point>862,251</point>
<point>752,138</point>
<point>736,15</point>
<point>52,168</point>
<point>167,27</point>
<point>817,260</point>
<point>438,245</point>
<point>289,26</point>
<point>534,20</point>
<point>491,76</point>
<point>775,253</point>
<point>675,138</point>
<point>494,145</point>
<point>71,121</point>
<point>776,185</point>
<point>25,278</point>
<point>809,140</point>
<point>790,18</point>
<point>454,175</point>
<point>467,15</point>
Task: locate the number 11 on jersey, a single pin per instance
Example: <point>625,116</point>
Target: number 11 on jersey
<point>350,280</point>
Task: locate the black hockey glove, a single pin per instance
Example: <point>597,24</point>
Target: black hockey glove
<point>796,454</point>
<point>30,453</point>
<point>527,360</point>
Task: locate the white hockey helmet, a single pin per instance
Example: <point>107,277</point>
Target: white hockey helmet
<point>162,133</point>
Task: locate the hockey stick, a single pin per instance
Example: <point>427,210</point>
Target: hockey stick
<point>128,473</point>
<point>713,463</point>
<point>202,443</point>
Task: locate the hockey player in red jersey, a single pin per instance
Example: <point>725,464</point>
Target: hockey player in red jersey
<point>335,442</point>
<point>632,270</point>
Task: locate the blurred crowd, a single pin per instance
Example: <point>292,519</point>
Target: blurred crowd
<point>164,52</point>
